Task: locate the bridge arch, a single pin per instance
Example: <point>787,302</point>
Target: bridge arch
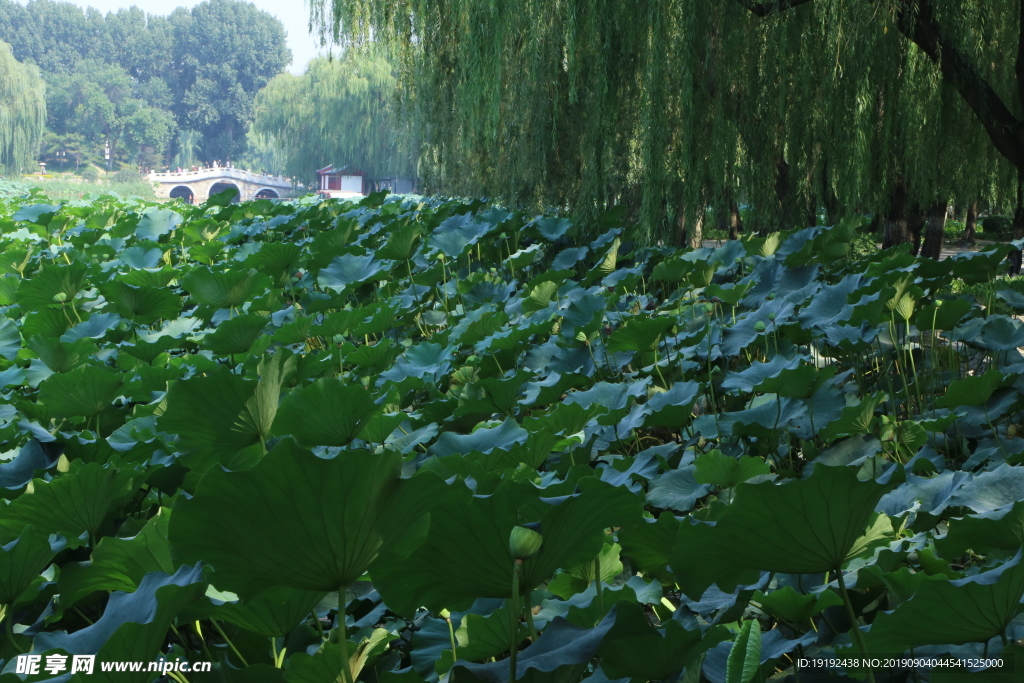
<point>267,193</point>
<point>222,186</point>
<point>183,192</point>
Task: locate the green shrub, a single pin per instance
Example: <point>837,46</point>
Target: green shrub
<point>126,176</point>
<point>997,227</point>
<point>90,173</point>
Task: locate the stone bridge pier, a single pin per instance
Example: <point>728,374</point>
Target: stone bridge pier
<point>196,187</point>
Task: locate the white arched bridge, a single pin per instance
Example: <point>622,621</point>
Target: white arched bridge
<point>196,186</point>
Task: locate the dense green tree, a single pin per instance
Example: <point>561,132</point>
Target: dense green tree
<point>102,103</point>
<point>203,65</point>
<point>224,52</point>
<point>22,110</point>
<point>675,106</point>
<point>339,111</point>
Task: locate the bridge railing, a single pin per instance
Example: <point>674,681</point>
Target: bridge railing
<point>235,173</point>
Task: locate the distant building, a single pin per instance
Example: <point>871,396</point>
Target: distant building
<point>341,183</point>
<point>397,185</point>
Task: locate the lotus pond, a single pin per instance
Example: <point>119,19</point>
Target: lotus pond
<point>428,440</point>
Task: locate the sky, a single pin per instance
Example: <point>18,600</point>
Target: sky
<point>294,14</point>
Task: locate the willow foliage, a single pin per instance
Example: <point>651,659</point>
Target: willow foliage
<point>671,106</point>
<point>340,111</point>
<point>22,110</point>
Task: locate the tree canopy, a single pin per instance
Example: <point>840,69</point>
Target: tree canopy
<point>22,110</point>
<point>788,107</point>
<point>341,111</point>
<point>136,79</point>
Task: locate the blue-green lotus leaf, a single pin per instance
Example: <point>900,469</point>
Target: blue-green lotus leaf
<point>298,520</point>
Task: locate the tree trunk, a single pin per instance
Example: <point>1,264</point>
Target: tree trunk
<point>915,223</point>
<point>735,222</point>
<point>695,235</point>
<point>680,237</point>
<point>831,203</point>
<point>1018,226</point>
<point>935,226</point>
<point>784,196</point>
<point>970,225</point>
<point>895,230</point>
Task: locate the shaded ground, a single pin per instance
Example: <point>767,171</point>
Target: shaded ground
<point>948,249</point>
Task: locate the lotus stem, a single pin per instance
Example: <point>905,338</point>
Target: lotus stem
<point>597,586</point>
<point>855,631</point>
<point>529,620</point>
<point>346,668</point>
<point>9,623</point>
<point>228,641</point>
<point>513,647</point>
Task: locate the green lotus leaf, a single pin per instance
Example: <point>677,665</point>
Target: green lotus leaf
<point>466,554</point>
<point>482,637</point>
<point>562,651</point>
<point>236,335</point>
<point>60,356</point>
<point>718,469</point>
<point>649,544</point>
<point>808,526</point>
<point>148,278</point>
<point>73,504</point>
<point>276,259</point>
<point>10,339</point>
<point>971,391</point>
<point>325,665</point>
<point>23,559</point>
<point>987,492</point>
<point>328,412</point>
<point>222,416</point>
<point>226,288</point>
<point>36,213</point>
<point>640,334</point>
<point>85,391</point>
<point>401,244</point>
<point>119,563</point>
<point>635,649</point>
<point>676,490</point>
<point>997,529</point>
<point>970,610</point>
<point>349,269</point>
<point>552,227</point>
<point>51,281</point>
<point>95,326</point>
<point>139,257</point>
<point>297,520</point>
<point>273,613</point>
<point>156,222</point>
<point>577,579</point>
<point>133,625</point>
<point>672,408</point>
<point>540,296</point>
<point>785,603</point>
<point>143,305</point>
<point>745,654</point>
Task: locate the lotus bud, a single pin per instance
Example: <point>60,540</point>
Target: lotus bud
<point>759,326</point>
<point>60,297</point>
<point>771,316</point>
<point>524,543</point>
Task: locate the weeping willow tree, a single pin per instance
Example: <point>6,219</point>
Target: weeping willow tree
<point>341,111</point>
<point>683,110</point>
<point>22,111</point>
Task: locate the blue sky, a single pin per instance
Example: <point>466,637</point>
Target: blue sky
<point>294,14</point>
